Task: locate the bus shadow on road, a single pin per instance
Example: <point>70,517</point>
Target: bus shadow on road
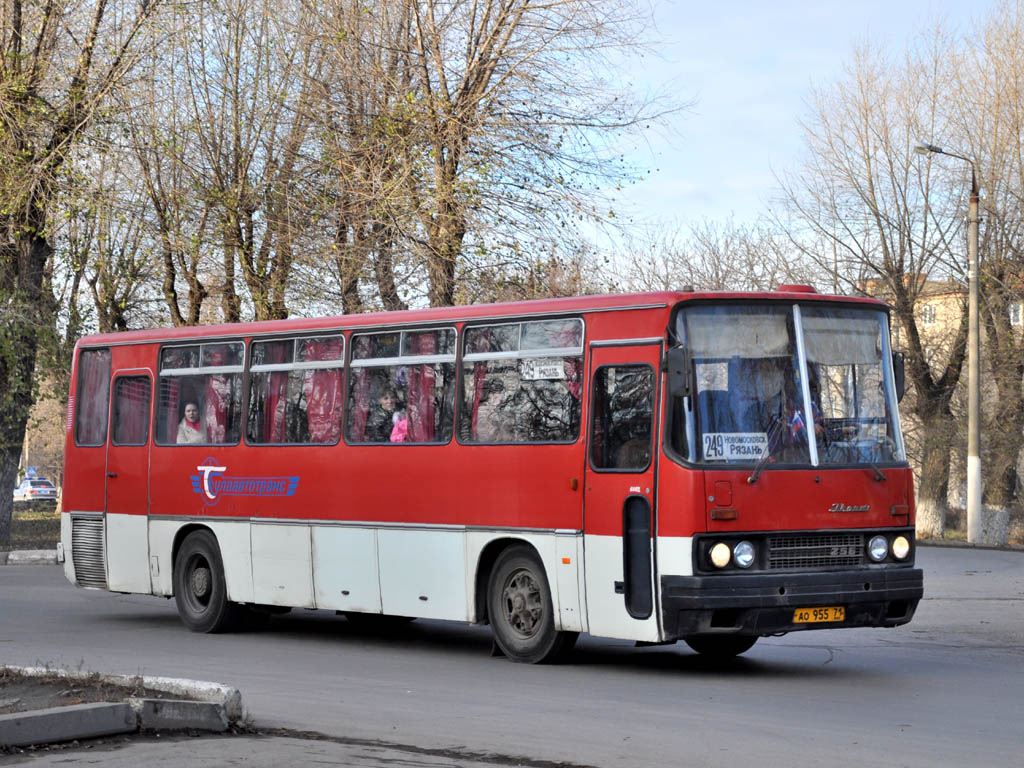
<point>454,638</point>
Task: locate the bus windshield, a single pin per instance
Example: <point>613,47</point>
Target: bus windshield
<point>795,384</point>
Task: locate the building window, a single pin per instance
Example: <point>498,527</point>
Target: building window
<point>200,399</point>
<point>1015,314</point>
<point>295,391</point>
<point>402,387</point>
<point>522,382</point>
<point>928,314</point>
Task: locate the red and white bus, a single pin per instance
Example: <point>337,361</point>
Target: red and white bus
<point>708,467</point>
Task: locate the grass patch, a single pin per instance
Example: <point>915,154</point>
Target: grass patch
<point>36,512</point>
<point>36,526</point>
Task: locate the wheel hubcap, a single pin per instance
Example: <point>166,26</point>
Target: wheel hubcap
<point>523,606</point>
<point>201,582</point>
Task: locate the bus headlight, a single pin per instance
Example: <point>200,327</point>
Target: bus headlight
<point>720,555</point>
<point>743,554</point>
<point>878,548</point>
<point>900,547</point>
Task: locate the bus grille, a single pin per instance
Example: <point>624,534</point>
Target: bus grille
<point>87,552</point>
<point>815,550</point>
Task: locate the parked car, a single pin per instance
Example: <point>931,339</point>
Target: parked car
<point>35,489</point>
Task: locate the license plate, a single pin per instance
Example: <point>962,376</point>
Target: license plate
<point>815,615</point>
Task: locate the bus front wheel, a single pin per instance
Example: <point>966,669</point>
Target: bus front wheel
<point>721,646</point>
<point>200,591</point>
<point>520,609</point>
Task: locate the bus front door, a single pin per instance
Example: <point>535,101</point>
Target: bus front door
<point>619,515</point>
<point>127,482</point>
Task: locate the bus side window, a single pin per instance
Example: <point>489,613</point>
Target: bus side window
<point>92,397</point>
<point>522,382</point>
<point>402,387</point>
<point>623,414</point>
<point>295,391</point>
<point>208,376</point>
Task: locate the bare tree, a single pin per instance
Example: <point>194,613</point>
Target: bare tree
<point>514,94</point>
<point>865,209</point>
<point>988,125</point>
<point>714,256</point>
<point>59,64</point>
<point>244,78</point>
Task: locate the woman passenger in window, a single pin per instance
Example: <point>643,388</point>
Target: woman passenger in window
<point>189,429</point>
<point>381,420</point>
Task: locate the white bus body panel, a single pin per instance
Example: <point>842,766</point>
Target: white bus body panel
<point>606,609</point>
<point>345,569</point>
<point>282,572</point>
<point>569,610</point>
<point>423,573</point>
<point>675,556</point>
<point>65,539</point>
<point>127,549</point>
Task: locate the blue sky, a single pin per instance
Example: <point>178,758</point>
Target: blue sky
<point>748,66</point>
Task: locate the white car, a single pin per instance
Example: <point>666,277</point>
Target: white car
<point>35,489</point>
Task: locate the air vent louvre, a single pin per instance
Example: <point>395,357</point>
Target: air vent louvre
<point>87,552</point>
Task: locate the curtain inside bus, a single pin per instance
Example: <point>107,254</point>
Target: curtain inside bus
<point>420,400</point>
<point>361,392</point>
<point>322,389</point>
<point>131,411</point>
<point>92,397</point>
<point>169,394</point>
<point>275,428</point>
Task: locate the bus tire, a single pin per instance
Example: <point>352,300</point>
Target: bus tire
<point>520,609</point>
<point>721,646</point>
<point>200,591</point>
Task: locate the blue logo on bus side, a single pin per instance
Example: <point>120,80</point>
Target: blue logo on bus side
<point>211,483</point>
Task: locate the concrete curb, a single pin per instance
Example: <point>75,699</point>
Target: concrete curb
<point>77,721</point>
<point>29,557</point>
<point>216,707</point>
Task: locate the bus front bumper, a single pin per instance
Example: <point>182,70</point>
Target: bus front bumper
<point>764,604</point>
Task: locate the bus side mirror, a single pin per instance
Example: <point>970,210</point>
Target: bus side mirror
<point>899,372</point>
<point>678,362</point>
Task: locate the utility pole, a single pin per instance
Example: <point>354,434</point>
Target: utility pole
<point>973,353</point>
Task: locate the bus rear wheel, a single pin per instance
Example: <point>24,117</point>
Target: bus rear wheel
<point>520,609</point>
<point>721,646</point>
<point>200,591</point>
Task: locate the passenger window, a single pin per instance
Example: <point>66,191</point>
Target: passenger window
<point>295,391</point>
<point>92,397</point>
<point>521,382</point>
<point>200,395</point>
<point>623,417</point>
<point>131,410</point>
<point>402,387</point>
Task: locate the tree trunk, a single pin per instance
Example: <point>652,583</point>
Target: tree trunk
<point>8,475</point>
<point>383,268</point>
<point>933,491</point>
<point>28,314</point>
<point>445,245</point>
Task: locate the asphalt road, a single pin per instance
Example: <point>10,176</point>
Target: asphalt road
<point>945,690</point>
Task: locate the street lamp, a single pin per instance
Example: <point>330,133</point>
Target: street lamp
<point>973,355</point>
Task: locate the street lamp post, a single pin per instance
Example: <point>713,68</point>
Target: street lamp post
<point>973,355</point>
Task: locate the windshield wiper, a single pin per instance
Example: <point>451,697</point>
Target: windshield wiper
<point>759,468</point>
<point>774,437</point>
